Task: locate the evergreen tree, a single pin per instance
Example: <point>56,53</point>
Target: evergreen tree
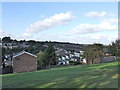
<point>50,56</point>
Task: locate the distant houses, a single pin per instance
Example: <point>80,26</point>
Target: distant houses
<point>65,57</point>
<point>15,45</point>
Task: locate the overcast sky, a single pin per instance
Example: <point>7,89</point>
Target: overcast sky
<point>79,22</point>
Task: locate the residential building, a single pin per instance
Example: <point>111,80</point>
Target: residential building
<point>24,62</point>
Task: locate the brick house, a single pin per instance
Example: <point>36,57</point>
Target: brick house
<point>24,62</point>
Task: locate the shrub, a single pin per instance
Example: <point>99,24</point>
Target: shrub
<point>71,62</point>
<point>7,69</point>
<point>117,59</point>
<point>76,63</point>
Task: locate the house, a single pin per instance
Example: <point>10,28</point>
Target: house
<point>71,55</point>
<point>108,59</point>
<point>63,60</point>
<point>74,58</point>
<point>67,57</point>
<point>81,52</point>
<point>24,62</point>
<point>83,60</point>
<point>60,52</point>
<point>77,54</point>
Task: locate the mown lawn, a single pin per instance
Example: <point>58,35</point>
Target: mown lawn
<point>87,76</point>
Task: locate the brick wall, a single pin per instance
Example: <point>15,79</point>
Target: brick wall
<point>24,63</point>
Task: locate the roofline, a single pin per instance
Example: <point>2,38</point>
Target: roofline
<point>23,53</point>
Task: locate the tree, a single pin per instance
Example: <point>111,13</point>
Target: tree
<point>50,56</point>
<point>40,59</point>
<point>114,48</point>
<point>6,39</point>
<point>91,52</point>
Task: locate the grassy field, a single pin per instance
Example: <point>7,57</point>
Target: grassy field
<point>103,75</point>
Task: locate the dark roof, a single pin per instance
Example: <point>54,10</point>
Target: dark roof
<point>75,57</point>
<point>60,52</point>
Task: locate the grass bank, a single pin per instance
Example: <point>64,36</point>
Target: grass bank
<point>103,75</point>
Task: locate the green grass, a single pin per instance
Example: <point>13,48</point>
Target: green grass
<point>87,76</point>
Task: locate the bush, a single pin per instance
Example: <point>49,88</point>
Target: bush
<point>71,62</point>
<point>7,69</point>
<point>117,59</point>
<point>76,63</point>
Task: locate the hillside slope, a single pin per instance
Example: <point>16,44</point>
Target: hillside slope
<point>87,76</point>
